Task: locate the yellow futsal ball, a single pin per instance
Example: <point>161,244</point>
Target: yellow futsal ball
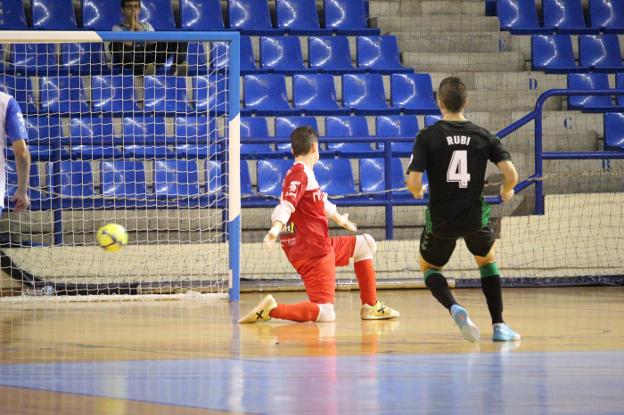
<point>112,237</point>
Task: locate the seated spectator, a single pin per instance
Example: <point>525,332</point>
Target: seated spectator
<point>142,58</point>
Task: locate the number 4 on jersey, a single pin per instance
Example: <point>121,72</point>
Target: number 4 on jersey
<point>458,169</point>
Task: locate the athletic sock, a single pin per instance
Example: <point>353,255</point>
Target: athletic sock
<point>491,286</point>
<point>367,280</point>
<point>435,281</point>
<point>305,311</point>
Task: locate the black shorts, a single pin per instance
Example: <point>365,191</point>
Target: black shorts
<point>437,250</point>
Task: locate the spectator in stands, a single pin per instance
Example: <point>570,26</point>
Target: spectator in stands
<point>14,132</point>
<point>144,57</point>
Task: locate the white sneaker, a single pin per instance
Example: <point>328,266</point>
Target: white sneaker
<point>379,311</point>
<point>466,326</point>
<point>261,311</point>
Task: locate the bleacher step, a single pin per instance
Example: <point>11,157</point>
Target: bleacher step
<point>436,24</point>
<point>454,42</point>
<point>424,8</point>
<point>465,62</point>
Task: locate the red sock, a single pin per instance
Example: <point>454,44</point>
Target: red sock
<point>305,311</point>
<point>365,273</point>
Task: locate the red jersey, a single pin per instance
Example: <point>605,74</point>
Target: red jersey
<point>307,232</point>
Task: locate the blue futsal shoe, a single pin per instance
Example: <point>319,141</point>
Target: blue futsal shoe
<point>466,326</point>
<point>504,333</point>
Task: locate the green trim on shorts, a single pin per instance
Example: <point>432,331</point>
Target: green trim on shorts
<point>489,270</point>
<point>486,209</point>
<point>432,271</point>
<point>428,223</point>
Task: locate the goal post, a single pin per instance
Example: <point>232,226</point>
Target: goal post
<point>135,128</point>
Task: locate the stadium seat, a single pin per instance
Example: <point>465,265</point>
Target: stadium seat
<point>74,179</point>
<point>248,60</point>
<point>607,15</point>
<point>413,93</point>
<point>271,176</point>
<point>345,127</point>
<point>254,127</point>
<point>397,126</point>
<point>266,94</point>
<point>92,138</point>
<point>99,15</point>
<point>588,81</point>
<point>21,89</point>
<point>519,17</point>
<point>330,54</point>
<point>614,131</point>
<point>335,177</point>
<point>123,178</point>
<point>281,54</point>
<point>210,93</point>
<point>64,94</point>
<point>347,17</point>
<point>372,178</point>
<point>196,59</point>
<point>165,94</point>
<point>201,15</point>
<point>365,94</point>
<point>245,179</point>
<point>34,59</point>
<point>220,59</point>
<point>83,58</point>
<point>214,177</point>
<point>600,53</point>
<point>13,16</point>
<point>34,188</point>
<point>284,126</point>
<point>251,17</point>
<point>298,17</point>
<point>619,84</point>
<point>53,15</point>
<point>431,119</point>
<point>380,54</point>
<point>145,137</point>
<point>315,94</point>
<point>196,137</point>
<point>44,131</point>
<point>564,16</point>
<point>159,13</point>
<point>113,94</point>
<point>553,54</point>
<point>176,178</point>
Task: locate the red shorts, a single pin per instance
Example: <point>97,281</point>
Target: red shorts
<point>319,273</point>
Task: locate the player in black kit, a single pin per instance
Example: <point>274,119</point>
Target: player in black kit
<point>454,152</point>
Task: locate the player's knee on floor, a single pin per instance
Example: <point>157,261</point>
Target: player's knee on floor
<point>365,248</point>
<point>326,313</point>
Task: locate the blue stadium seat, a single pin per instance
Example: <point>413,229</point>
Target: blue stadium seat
<point>196,59</point>
<point>588,81</point>
<point>251,17</point>
<point>380,54</point>
<point>284,126</point>
<point>165,94</point>
<point>413,93</point>
<point>330,54</point>
<point>248,60</point>
<point>220,60</point>
<point>245,178</point>
<point>210,93</point>
<point>431,119</point>
<point>100,15</point>
<point>21,89</point>
<point>34,59</point>
<point>619,84</point>
<point>53,15</point>
<point>113,94</point>
<point>271,176</point>
<point>564,16</point>
<point>553,54</point>
<point>315,94</point>
<point>254,127</point>
<point>159,13</point>
<point>201,15</point>
<point>83,58</point>
<point>344,127</point>
<point>145,137</point>
<point>365,94</point>
<point>64,94</point>
<point>335,177</point>
<point>281,54</point>
<point>196,137</point>
<point>607,15</point>
<point>214,177</point>
<point>123,179</point>
<point>298,17</point>
<point>614,131</point>
<point>519,17</point>
<point>372,178</point>
<point>266,94</point>
<point>13,17</point>
<point>74,179</point>
<point>397,126</point>
<point>600,53</point>
<point>92,138</point>
<point>347,17</point>
<point>34,188</point>
<point>44,130</point>
<point>176,178</point>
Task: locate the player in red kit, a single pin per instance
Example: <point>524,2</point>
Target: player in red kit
<point>302,220</point>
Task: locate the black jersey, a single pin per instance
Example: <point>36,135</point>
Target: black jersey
<point>455,154</point>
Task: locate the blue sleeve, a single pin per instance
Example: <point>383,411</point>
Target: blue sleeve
<point>15,126</point>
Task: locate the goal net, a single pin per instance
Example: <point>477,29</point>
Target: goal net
<point>137,129</point>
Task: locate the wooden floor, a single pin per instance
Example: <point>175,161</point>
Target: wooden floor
<point>84,358</point>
